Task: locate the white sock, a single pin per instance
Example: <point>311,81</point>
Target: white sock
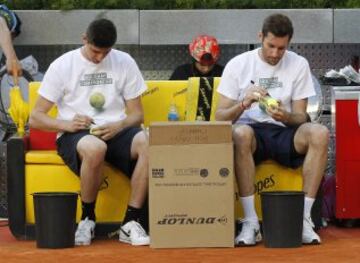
<point>308,203</point>
<point>248,204</point>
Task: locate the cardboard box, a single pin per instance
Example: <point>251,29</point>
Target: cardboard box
<point>191,185</point>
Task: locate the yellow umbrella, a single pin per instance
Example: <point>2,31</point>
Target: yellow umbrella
<point>19,109</point>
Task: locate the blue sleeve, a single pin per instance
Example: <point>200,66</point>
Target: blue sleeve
<point>9,17</point>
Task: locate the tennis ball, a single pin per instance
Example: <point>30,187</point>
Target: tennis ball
<point>94,131</point>
<point>97,100</point>
<point>268,102</point>
<point>272,103</point>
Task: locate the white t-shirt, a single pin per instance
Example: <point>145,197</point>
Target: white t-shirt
<point>290,79</point>
<point>71,79</point>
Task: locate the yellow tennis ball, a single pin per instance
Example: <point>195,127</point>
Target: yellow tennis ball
<point>268,102</point>
<point>97,100</point>
<point>94,131</point>
<point>272,103</point>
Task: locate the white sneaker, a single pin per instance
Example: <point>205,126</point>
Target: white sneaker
<point>85,232</point>
<point>133,233</point>
<point>308,235</point>
<point>249,235</point>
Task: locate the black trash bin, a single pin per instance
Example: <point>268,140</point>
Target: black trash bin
<point>282,213</point>
<point>55,219</point>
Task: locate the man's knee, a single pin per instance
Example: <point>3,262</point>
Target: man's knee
<point>93,151</point>
<point>319,135</point>
<point>140,145</point>
<point>243,136</point>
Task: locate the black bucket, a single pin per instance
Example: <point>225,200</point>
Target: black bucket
<point>55,219</point>
<point>282,213</point>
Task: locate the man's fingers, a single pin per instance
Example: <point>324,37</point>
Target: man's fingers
<point>257,95</point>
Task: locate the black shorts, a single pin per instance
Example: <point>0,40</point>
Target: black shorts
<point>277,143</point>
<point>118,151</point>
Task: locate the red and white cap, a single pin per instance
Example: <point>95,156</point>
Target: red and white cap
<point>205,49</point>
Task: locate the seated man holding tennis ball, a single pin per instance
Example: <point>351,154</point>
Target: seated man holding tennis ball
<point>102,89</point>
<point>264,92</point>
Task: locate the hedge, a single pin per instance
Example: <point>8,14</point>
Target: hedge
<point>177,4</point>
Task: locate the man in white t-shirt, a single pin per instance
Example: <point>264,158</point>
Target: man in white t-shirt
<point>114,113</point>
<point>281,132</point>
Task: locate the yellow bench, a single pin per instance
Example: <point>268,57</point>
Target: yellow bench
<point>41,169</point>
<point>45,170</point>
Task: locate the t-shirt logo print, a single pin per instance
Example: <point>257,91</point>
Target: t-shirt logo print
<point>270,83</point>
<point>96,79</point>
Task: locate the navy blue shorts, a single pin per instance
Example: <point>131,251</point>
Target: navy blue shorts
<point>118,151</point>
<point>277,143</point>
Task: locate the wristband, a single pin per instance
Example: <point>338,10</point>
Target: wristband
<point>242,105</point>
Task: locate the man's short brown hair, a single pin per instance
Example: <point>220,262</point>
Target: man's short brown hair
<point>279,25</point>
<point>101,33</point>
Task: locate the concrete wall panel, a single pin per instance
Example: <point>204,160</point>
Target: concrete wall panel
<point>161,27</point>
<point>347,25</point>
<point>51,27</point>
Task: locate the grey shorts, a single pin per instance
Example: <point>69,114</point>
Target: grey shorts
<point>118,151</point>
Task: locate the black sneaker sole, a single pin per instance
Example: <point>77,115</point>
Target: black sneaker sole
<point>314,242</point>
<point>242,244</point>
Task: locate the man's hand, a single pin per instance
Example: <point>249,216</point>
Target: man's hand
<point>107,131</point>
<point>279,113</point>
<point>253,94</point>
<point>79,122</point>
<point>13,68</point>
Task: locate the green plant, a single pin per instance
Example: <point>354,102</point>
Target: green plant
<point>178,4</point>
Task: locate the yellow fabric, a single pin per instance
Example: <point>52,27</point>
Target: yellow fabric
<point>43,157</point>
<point>192,96</point>
<point>158,97</point>
<point>111,201</point>
<point>33,95</point>
<point>270,176</point>
<point>192,99</point>
<point>215,99</point>
<point>18,110</point>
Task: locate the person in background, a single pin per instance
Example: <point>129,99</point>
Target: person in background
<point>205,52</point>
<point>279,132</point>
<point>10,27</point>
<point>96,85</point>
